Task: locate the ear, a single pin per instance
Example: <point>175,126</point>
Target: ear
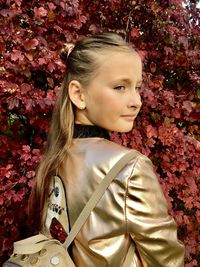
<point>76,94</point>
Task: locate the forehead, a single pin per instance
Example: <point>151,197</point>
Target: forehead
<point>119,64</point>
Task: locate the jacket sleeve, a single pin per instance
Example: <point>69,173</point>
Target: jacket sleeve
<point>153,231</point>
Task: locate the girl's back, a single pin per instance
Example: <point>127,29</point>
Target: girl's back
<point>100,93</point>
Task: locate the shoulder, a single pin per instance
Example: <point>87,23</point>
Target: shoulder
<point>102,152</point>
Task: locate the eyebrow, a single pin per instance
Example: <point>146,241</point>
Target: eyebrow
<point>127,80</point>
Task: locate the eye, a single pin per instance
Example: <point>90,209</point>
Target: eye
<point>120,88</point>
<point>137,88</point>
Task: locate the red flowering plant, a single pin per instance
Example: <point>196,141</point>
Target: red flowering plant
<point>165,34</point>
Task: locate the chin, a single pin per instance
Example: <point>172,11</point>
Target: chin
<point>124,129</point>
<point>119,127</point>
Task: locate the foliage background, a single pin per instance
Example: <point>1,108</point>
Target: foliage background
<point>166,35</point>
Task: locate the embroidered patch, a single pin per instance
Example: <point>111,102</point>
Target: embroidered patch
<point>57,231</point>
<point>56,208</point>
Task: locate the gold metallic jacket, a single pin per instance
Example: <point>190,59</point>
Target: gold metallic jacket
<point>133,210</point>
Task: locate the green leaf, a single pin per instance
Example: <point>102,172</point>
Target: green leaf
<point>198,93</point>
<point>10,121</point>
<point>167,121</point>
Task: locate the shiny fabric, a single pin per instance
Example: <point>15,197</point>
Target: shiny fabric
<point>133,210</point>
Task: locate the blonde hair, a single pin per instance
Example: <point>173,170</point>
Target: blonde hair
<point>82,62</point>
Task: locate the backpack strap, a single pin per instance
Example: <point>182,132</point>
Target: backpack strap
<point>96,196</point>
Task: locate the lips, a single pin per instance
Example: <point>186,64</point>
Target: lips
<point>129,117</point>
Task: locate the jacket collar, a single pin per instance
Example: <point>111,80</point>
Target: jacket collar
<point>85,131</point>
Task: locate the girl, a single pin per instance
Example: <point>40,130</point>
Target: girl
<point>100,94</point>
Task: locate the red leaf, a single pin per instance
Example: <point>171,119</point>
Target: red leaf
<point>83,19</point>
<point>1,200</point>
<point>29,56</point>
<point>176,113</point>
<point>142,54</point>
<point>26,149</point>
<point>31,183</point>
<point>25,157</point>
<point>9,194</point>
<point>51,67</point>
<point>192,185</point>
<point>30,44</point>
<point>17,55</point>
<point>135,32</point>
<point>168,51</point>
<point>41,61</point>
<point>51,6</point>
<point>155,8</point>
<point>151,131</point>
<point>12,103</point>
<point>40,12</point>
<point>18,2</point>
<point>19,196</point>
<point>184,41</point>
<point>23,180</point>
<point>30,174</point>
<point>57,28</point>
<point>25,87</point>
<point>29,104</point>
<point>153,67</point>
<point>188,106</point>
<point>2,47</point>
<point>36,152</point>
<point>50,82</point>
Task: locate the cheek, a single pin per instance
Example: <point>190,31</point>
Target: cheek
<point>109,105</point>
<point>109,99</point>
<point>104,104</point>
<point>115,102</point>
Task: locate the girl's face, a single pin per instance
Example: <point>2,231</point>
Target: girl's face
<point>112,99</point>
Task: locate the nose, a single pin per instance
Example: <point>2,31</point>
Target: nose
<point>135,100</point>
